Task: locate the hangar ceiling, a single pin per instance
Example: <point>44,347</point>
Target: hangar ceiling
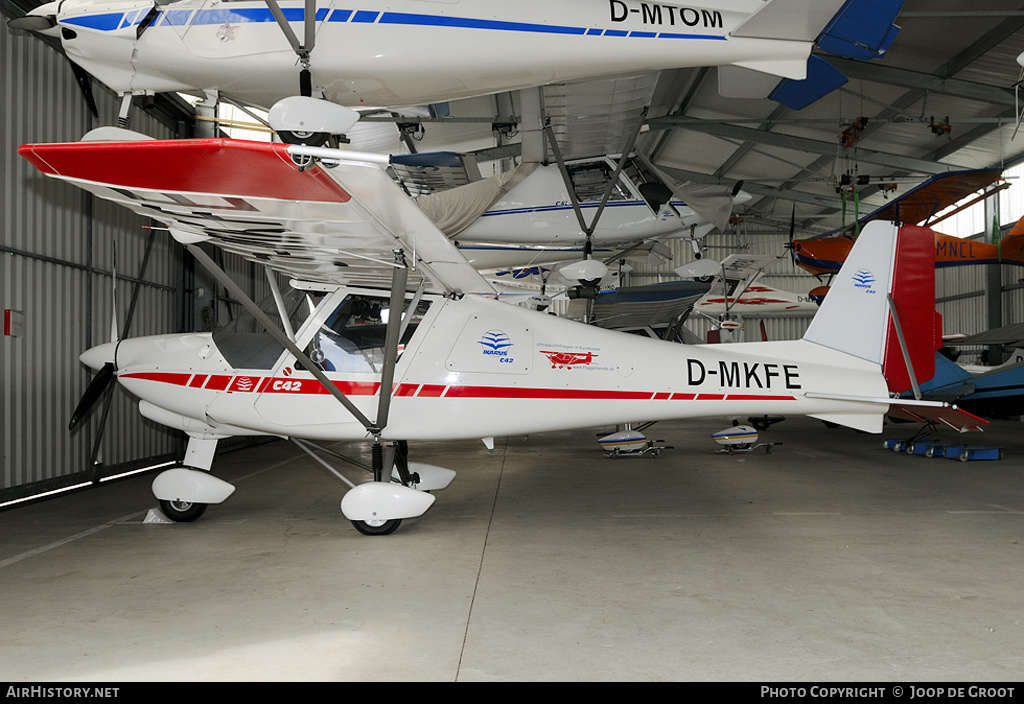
<point>941,99</point>
<point>948,67</point>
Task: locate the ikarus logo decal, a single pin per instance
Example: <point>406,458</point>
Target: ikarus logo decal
<point>864,279</point>
<point>495,343</point>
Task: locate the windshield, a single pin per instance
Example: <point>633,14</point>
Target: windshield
<point>246,344</point>
<point>352,338</point>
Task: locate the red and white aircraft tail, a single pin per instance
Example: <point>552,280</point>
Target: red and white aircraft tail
<point>887,284</point>
<point>881,308</point>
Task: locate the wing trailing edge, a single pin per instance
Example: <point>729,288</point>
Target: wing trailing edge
<point>338,225</point>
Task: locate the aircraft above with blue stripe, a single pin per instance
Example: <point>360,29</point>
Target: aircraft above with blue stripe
<point>415,52</point>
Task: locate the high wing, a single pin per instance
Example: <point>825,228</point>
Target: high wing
<point>824,254</point>
<point>921,203</point>
<point>593,118</point>
<point>338,225</point>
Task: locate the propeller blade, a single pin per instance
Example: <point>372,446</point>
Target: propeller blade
<point>792,234</point>
<point>792,225</point>
<point>92,393</point>
<point>33,23</point>
<point>114,336</point>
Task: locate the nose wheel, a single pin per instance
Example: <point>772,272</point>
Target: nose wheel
<point>182,511</point>
<point>377,527</point>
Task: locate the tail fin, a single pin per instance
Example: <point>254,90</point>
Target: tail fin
<point>1011,249</point>
<point>855,29</point>
<point>887,262</point>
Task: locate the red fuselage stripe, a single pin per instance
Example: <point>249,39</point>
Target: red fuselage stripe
<point>357,388</point>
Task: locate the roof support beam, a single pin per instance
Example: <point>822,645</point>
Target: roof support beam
<point>786,141</point>
<point>818,201</point>
<point>880,73</point>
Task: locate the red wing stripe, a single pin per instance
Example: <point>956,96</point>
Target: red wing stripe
<point>221,166</point>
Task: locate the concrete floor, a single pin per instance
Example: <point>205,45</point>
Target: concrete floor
<point>830,559</point>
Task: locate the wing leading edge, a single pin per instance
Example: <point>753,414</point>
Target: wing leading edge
<point>340,225</point>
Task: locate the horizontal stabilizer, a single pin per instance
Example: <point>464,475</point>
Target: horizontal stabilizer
<point>792,20</point>
<point>863,29</point>
<point>950,416</point>
<point>822,79</point>
<point>859,29</point>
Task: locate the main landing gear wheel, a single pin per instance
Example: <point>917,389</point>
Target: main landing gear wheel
<point>309,139</point>
<point>182,511</point>
<point>377,527</point>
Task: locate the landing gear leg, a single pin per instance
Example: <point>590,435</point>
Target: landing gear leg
<point>375,526</point>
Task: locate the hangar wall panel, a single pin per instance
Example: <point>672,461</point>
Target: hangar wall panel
<point>960,293</point>
<point>57,249</point>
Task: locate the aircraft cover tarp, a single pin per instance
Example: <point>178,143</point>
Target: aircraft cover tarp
<point>711,202</point>
<point>457,208</point>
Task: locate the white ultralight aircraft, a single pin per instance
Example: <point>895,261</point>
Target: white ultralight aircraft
<point>414,52</point>
<point>387,340</point>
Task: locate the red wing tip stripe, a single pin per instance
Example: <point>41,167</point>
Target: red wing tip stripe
<point>206,166</point>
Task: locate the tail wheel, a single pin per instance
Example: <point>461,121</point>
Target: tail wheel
<point>380,527</point>
<point>182,511</point>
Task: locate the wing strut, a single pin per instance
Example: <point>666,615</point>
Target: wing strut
<point>903,347</point>
<point>588,230</point>
<point>304,48</point>
<point>395,326</point>
<point>399,276</point>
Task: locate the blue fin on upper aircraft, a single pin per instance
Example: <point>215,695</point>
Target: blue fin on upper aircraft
<point>822,79</point>
<point>862,29</point>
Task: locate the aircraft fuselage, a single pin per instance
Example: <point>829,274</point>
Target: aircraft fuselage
<point>478,368</point>
<point>405,52</point>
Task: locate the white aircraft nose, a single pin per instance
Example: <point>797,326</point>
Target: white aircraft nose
<point>42,20</point>
<point>96,357</point>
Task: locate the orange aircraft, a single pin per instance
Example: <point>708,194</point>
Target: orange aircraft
<point>826,253</point>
